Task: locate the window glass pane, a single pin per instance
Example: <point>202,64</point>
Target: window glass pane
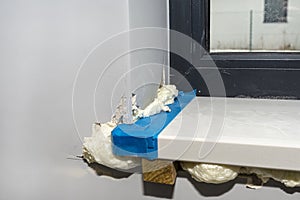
<point>255,25</point>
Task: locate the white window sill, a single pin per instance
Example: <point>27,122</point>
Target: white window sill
<point>252,132</point>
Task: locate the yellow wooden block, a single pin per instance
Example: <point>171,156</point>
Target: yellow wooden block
<point>159,171</point>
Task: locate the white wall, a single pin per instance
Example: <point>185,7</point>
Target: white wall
<point>230,26</point>
<point>42,44</point>
<point>144,14</point>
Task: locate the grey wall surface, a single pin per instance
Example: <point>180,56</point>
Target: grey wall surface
<point>42,44</point>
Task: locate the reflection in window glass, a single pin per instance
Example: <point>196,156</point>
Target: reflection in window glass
<point>275,11</point>
<point>254,25</point>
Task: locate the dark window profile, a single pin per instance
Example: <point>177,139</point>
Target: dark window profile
<point>245,74</point>
<point>275,11</point>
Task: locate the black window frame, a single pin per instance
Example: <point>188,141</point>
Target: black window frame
<point>245,74</point>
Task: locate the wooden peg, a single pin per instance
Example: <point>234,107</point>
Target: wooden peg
<point>159,171</point>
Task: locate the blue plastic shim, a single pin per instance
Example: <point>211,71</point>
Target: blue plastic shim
<point>140,139</point>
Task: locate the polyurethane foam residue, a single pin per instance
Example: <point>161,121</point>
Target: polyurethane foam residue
<point>98,147</point>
